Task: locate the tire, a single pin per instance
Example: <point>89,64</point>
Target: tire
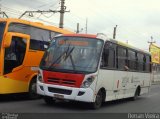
<point>135,95</point>
<point>49,100</point>
<point>33,90</point>
<point>98,101</point>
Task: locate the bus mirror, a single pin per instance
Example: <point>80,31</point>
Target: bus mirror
<point>7,40</point>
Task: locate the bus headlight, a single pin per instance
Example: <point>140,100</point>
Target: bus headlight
<point>88,82</point>
<point>39,77</point>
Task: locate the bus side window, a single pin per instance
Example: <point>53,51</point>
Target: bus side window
<point>14,55</point>
<point>39,39</point>
<point>132,60</point>
<point>140,62</point>
<point>147,63</point>
<point>121,58</point>
<point>108,56</point>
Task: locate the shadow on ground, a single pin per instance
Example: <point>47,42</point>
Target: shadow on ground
<point>73,105</point>
<point>14,97</point>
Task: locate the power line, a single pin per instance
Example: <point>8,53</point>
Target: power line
<point>61,11</point>
<point>3,13</point>
<point>17,13</point>
<point>49,3</point>
<point>30,13</point>
<point>94,12</point>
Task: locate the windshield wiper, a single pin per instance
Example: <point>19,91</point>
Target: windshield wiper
<point>58,59</point>
<point>69,55</point>
<point>74,67</point>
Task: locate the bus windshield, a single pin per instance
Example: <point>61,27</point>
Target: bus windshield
<point>72,54</point>
<point>2,27</point>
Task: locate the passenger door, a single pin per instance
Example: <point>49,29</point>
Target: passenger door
<point>14,55</point>
<point>121,74</point>
<point>107,69</point>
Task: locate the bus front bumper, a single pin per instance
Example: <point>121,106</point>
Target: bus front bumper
<point>66,93</point>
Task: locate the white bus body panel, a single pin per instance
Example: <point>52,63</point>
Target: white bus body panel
<point>118,85</point>
<point>88,96</point>
<point>122,84</point>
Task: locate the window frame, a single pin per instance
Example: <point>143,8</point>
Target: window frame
<point>114,49</point>
<point>135,61</point>
<point>117,58</point>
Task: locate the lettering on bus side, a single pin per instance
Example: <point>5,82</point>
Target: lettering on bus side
<point>135,79</point>
<point>125,80</point>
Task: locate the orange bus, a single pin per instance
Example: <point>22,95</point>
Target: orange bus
<point>22,45</point>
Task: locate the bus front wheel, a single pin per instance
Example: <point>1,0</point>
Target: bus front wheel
<point>49,100</point>
<point>98,101</point>
<point>33,90</point>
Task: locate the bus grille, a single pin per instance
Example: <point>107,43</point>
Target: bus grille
<point>57,81</point>
<point>60,91</point>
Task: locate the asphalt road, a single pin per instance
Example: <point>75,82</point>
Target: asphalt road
<point>149,103</point>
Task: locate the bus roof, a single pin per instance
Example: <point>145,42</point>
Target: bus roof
<point>36,24</point>
<point>81,35</point>
<point>129,46</point>
<point>107,39</point>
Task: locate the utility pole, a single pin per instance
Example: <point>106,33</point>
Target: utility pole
<point>62,14</point>
<point>77,28</point>
<point>114,32</point>
<point>62,11</point>
<point>151,42</point>
<point>86,25</point>
<point>154,65</point>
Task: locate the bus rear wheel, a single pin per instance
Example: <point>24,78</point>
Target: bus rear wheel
<point>137,92</point>
<point>98,101</point>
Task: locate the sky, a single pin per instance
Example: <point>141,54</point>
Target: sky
<point>136,20</point>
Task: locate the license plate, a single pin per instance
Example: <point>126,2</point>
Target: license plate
<point>59,96</point>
